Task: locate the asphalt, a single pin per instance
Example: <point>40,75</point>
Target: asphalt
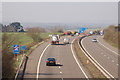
<point>101,40</point>
<point>105,57</point>
<point>66,65</point>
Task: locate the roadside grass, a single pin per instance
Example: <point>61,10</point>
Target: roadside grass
<point>88,65</point>
<point>113,44</point>
<point>112,36</point>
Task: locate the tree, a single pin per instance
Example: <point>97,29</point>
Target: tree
<point>8,61</point>
<point>57,29</point>
<point>34,33</point>
<point>13,27</point>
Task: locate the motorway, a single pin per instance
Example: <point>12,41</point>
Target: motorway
<point>105,55</point>
<point>67,66</point>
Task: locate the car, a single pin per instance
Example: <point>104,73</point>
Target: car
<point>51,61</point>
<point>72,34</point>
<point>94,40</point>
<point>66,41</point>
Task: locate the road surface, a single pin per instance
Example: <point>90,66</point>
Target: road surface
<point>67,67</point>
<point>103,54</point>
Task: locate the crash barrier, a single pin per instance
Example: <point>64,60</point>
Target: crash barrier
<point>108,75</point>
<point>21,69</point>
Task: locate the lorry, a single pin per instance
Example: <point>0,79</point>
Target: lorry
<point>55,39</point>
<point>101,32</point>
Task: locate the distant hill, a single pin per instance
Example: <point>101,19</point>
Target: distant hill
<point>65,25</point>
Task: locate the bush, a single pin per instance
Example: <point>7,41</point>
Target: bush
<point>34,33</point>
<point>111,35</point>
<point>57,29</point>
<point>8,62</point>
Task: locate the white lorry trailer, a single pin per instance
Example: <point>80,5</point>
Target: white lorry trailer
<point>55,39</point>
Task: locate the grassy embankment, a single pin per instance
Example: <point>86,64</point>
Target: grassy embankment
<point>112,36</point>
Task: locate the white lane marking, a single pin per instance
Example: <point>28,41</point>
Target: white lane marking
<point>97,62</point>
<point>106,47</point>
<point>113,61</point>
<point>101,53</point>
<point>38,67</point>
<point>108,57</point>
<point>60,72</point>
<point>59,67</point>
<point>77,60</point>
<point>104,55</point>
<point>117,64</point>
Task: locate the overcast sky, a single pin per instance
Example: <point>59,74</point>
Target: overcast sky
<point>61,12</point>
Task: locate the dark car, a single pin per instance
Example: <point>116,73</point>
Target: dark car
<point>51,61</point>
<point>72,34</point>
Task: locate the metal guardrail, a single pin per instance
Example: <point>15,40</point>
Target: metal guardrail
<point>94,62</point>
<point>23,64</point>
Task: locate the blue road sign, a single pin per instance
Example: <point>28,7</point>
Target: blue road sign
<point>16,49</point>
<point>23,47</point>
<point>82,30</point>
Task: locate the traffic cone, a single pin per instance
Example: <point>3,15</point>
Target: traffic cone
<point>88,61</point>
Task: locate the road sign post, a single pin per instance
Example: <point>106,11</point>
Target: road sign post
<point>23,49</point>
<point>16,51</point>
<point>82,30</point>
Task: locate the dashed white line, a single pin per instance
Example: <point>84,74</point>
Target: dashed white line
<point>113,61</point>
<point>60,72</point>
<point>107,47</point>
<point>104,55</point>
<point>59,67</point>
<point>108,57</point>
<point>117,64</point>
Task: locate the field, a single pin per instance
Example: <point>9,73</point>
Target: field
<point>25,39</point>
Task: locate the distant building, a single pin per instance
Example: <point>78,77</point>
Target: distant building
<point>13,27</point>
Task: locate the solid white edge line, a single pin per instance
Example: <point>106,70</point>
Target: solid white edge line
<point>77,61</point>
<point>106,47</point>
<point>97,62</point>
<point>38,67</point>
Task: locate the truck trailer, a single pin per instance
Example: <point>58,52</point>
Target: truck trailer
<point>55,39</point>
